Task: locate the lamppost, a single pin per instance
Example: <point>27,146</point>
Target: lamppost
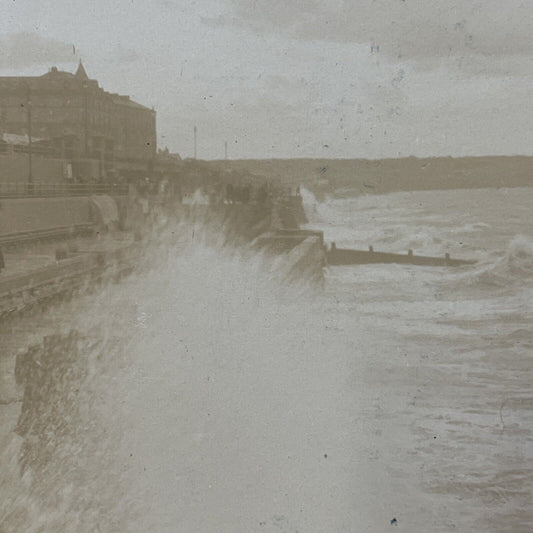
<point>30,162</point>
<point>85,120</point>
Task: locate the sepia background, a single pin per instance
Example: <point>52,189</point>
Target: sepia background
<point>266,266</point>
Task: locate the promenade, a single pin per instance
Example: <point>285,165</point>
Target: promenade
<point>37,256</point>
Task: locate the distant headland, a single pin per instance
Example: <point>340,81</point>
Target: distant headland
<point>389,175</point>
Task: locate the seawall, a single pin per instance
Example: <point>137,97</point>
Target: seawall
<point>21,215</point>
<point>40,215</point>
<point>306,261</point>
<point>32,274</point>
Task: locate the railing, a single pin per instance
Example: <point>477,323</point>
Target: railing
<point>48,233</point>
<point>41,190</point>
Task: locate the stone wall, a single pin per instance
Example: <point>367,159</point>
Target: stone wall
<point>21,215</point>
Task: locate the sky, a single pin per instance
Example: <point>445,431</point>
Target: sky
<point>298,78</point>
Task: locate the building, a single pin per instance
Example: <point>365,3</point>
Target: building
<point>69,117</point>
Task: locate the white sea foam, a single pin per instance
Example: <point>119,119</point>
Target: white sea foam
<point>200,398</point>
<point>215,393</point>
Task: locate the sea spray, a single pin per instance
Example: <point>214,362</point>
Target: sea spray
<point>502,271</point>
<point>191,381</point>
<point>243,404</point>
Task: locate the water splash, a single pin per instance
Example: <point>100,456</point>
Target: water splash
<point>177,398</point>
<point>311,205</point>
<point>515,266</point>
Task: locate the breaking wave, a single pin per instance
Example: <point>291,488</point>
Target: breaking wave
<point>311,205</point>
<point>515,266</point>
<point>518,260</point>
<point>161,402</point>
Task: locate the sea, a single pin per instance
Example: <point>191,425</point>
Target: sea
<point>207,394</point>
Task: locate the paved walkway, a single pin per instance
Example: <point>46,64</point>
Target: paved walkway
<point>41,255</point>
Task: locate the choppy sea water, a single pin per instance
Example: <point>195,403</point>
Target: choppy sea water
<point>209,396</point>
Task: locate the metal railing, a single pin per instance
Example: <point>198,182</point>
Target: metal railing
<point>43,190</point>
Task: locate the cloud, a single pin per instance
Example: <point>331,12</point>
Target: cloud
<point>27,49</point>
<point>402,29</point>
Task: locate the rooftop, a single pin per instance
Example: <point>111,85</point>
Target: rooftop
<point>54,76</point>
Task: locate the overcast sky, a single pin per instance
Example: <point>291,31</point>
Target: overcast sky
<point>298,78</point>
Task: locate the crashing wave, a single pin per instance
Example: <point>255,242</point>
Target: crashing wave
<point>517,263</point>
<point>79,455</point>
<point>515,266</point>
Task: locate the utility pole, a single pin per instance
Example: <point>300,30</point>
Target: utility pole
<point>85,121</point>
<point>225,149</point>
<point>30,147</point>
<point>194,142</point>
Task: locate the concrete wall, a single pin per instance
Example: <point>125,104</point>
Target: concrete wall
<point>123,206</point>
<point>14,169</point>
<point>306,261</point>
<point>35,214</point>
<point>105,212</point>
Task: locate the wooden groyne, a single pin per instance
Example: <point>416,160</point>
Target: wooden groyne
<point>343,256</point>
